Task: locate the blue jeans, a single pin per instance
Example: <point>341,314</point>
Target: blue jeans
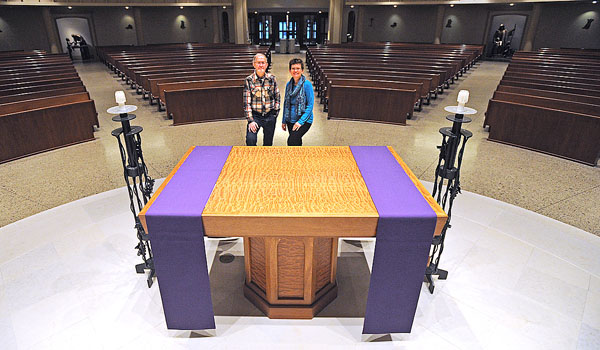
<point>268,123</point>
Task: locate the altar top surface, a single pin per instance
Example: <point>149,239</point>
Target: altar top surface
<point>275,191</point>
<point>290,181</point>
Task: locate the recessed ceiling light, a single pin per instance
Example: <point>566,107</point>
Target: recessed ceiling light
<point>288,12</point>
<point>395,6</point>
<point>256,12</point>
<point>594,2</point>
<point>70,7</point>
<point>224,7</point>
<point>181,7</point>
<point>451,5</point>
<point>320,11</point>
<point>512,4</point>
<point>126,7</point>
<point>351,6</point>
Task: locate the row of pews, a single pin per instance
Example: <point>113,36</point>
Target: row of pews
<point>193,82</point>
<point>43,104</point>
<point>549,101</point>
<point>385,82</point>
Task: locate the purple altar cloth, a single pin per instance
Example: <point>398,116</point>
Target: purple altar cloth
<point>177,237</point>
<point>404,235</point>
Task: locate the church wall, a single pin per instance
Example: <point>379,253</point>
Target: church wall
<point>22,29</point>
<point>111,23</point>
<point>163,24</point>
<point>413,23</point>
<point>561,25</point>
<point>468,24</point>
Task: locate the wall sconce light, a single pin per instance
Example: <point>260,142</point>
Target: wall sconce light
<point>588,24</point>
<point>182,26</point>
<point>449,23</point>
<point>129,26</point>
<point>371,21</point>
<point>393,25</point>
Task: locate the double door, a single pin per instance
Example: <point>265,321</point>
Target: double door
<point>306,28</point>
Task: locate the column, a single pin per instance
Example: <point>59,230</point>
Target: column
<point>336,8</point>
<point>359,24</point>
<point>532,28</point>
<point>139,33</point>
<point>51,31</point>
<point>216,25</point>
<point>439,24</point>
<point>240,14</point>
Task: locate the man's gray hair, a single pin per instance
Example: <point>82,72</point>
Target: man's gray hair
<point>258,55</point>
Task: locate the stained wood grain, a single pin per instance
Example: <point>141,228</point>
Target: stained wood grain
<point>303,191</point>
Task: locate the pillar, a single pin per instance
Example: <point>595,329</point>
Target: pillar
<point>51,31</point>
<point>139,33</point>
<point>336,11</point>
<point>532,28</point>
<point>439,24</point>
<point>360,15</point>
<point>216,25</point>
<point>240,14</point>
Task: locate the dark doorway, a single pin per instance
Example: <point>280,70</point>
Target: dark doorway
<point>308,29</point>
<point>225,21</point>
<point>350,32</point>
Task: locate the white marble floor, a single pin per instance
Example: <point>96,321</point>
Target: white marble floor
<point>517,280</point>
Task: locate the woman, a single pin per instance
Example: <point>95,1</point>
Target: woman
<point>298,104</point>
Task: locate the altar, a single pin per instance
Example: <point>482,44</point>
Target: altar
<point>291,204</point>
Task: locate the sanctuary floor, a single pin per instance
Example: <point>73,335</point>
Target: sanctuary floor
<point>518,278</point>
<point>554,187</point>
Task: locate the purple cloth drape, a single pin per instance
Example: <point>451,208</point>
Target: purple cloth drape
<point>404,234</point>
<point>175,225</point>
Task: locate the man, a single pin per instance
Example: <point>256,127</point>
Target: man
<point>261,102</point>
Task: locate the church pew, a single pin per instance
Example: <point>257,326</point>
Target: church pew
<point>205,103</point>
<point>551,94</point>
<point>591,88</point>
<point>38,88</point>
<point>160,85</point>
<point>392,106</point>
<point>149,81</point>
<point>7,79</point>
<point>568,135</point>
<point>541,85</point>
<point>423,93</point>
<point>414,68</point>
<point>532,70</point>
<point>368,72</point>
<point>548,102</point>
<point>44,81</point>
<point>40,94</point>
<point>377,84</point>
<point>43,129</point>
<point>552,77</point>
<point>140,76</point>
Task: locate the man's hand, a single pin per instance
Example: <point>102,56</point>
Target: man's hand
<point>284,127</point>
<point>296,127</point>
<point>253,127</point>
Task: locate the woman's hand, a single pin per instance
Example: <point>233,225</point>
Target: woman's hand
<point>284,127</point>
<point>296,127</point>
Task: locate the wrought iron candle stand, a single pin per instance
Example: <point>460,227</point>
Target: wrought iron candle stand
<point>448,175</point>
<point>135,172</point>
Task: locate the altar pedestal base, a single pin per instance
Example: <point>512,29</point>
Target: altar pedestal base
<point>290,277</point>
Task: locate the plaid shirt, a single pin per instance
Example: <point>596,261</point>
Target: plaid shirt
<point>261,95</point>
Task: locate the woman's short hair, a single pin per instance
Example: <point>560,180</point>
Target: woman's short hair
<point>296,61</point>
